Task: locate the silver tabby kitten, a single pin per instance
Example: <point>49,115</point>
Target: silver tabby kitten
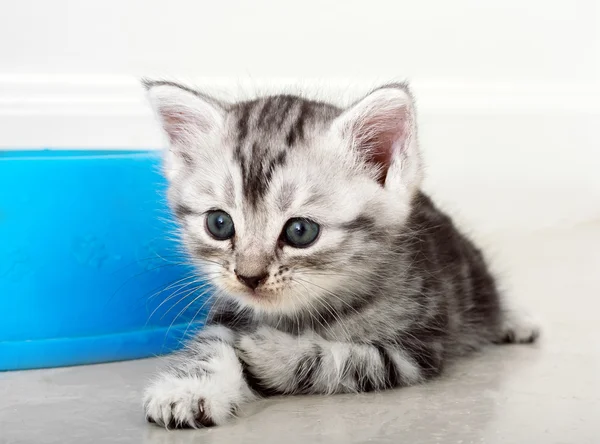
<point>334,272</point>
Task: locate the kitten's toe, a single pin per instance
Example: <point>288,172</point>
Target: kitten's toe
<point>174,402</point>
<point>519,328</point>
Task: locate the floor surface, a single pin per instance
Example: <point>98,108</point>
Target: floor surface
<point>546,393</point>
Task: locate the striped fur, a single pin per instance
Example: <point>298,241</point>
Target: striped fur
<point>387,295</point>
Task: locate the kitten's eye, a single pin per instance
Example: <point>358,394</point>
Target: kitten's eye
<point>220,225</point>
<point>300,233</point>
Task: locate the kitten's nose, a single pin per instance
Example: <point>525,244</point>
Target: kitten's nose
<point>251,281</point>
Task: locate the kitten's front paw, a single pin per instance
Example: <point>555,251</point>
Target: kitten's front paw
<point>268,354</point>
<point>266,347</point>
<point>183,402</point>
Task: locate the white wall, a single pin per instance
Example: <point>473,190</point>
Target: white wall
<point>505,40</point>
<point>508,90</point>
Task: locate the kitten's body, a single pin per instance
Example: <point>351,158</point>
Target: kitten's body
<point>387,294</point>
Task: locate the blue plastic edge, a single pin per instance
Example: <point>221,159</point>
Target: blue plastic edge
<point>27,355</point>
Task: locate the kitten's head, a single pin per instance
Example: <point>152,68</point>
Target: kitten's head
<point>288,204</point>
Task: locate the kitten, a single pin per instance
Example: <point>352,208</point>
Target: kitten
<point>333,272</point>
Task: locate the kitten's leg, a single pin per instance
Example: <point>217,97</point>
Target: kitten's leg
<point>204,385</point>
<point>280,363</point>
<point>518,327</point>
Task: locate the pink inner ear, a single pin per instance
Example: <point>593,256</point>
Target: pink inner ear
<point>173,126</point>
<point>380,137</point>
<point>180,122</point>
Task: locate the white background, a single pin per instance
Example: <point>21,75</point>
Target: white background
<point>508,90</point>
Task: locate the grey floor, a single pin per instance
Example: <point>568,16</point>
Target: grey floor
<point>547,393</point>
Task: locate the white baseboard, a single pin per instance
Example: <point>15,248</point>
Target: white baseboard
<point>502,156</point>
<point>87,111</point>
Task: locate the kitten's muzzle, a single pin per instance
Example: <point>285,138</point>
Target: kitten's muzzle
<point>251,282</point>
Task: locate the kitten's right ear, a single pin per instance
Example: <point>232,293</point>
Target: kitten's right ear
<point>189,118</point>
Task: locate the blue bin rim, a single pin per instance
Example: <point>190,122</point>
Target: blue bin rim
<point>91,154</point>
<point>85,350</point>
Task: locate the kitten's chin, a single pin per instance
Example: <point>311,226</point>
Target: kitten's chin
<point>261,300</point>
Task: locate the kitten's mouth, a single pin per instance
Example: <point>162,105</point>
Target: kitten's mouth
<point>259,296</point>
<point>256,293</point>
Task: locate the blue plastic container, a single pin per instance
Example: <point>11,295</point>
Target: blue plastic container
<point>87,271</point>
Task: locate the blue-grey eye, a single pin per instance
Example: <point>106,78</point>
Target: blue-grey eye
<point>300,233</point>
<point>219,225</point>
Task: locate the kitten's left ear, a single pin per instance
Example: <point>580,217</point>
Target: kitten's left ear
<point>190,119</point>
<point>381,129</point>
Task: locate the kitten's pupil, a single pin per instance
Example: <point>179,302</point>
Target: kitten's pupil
<point>299,229</point>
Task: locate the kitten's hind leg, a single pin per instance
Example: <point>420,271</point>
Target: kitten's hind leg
<point>518,327</point>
